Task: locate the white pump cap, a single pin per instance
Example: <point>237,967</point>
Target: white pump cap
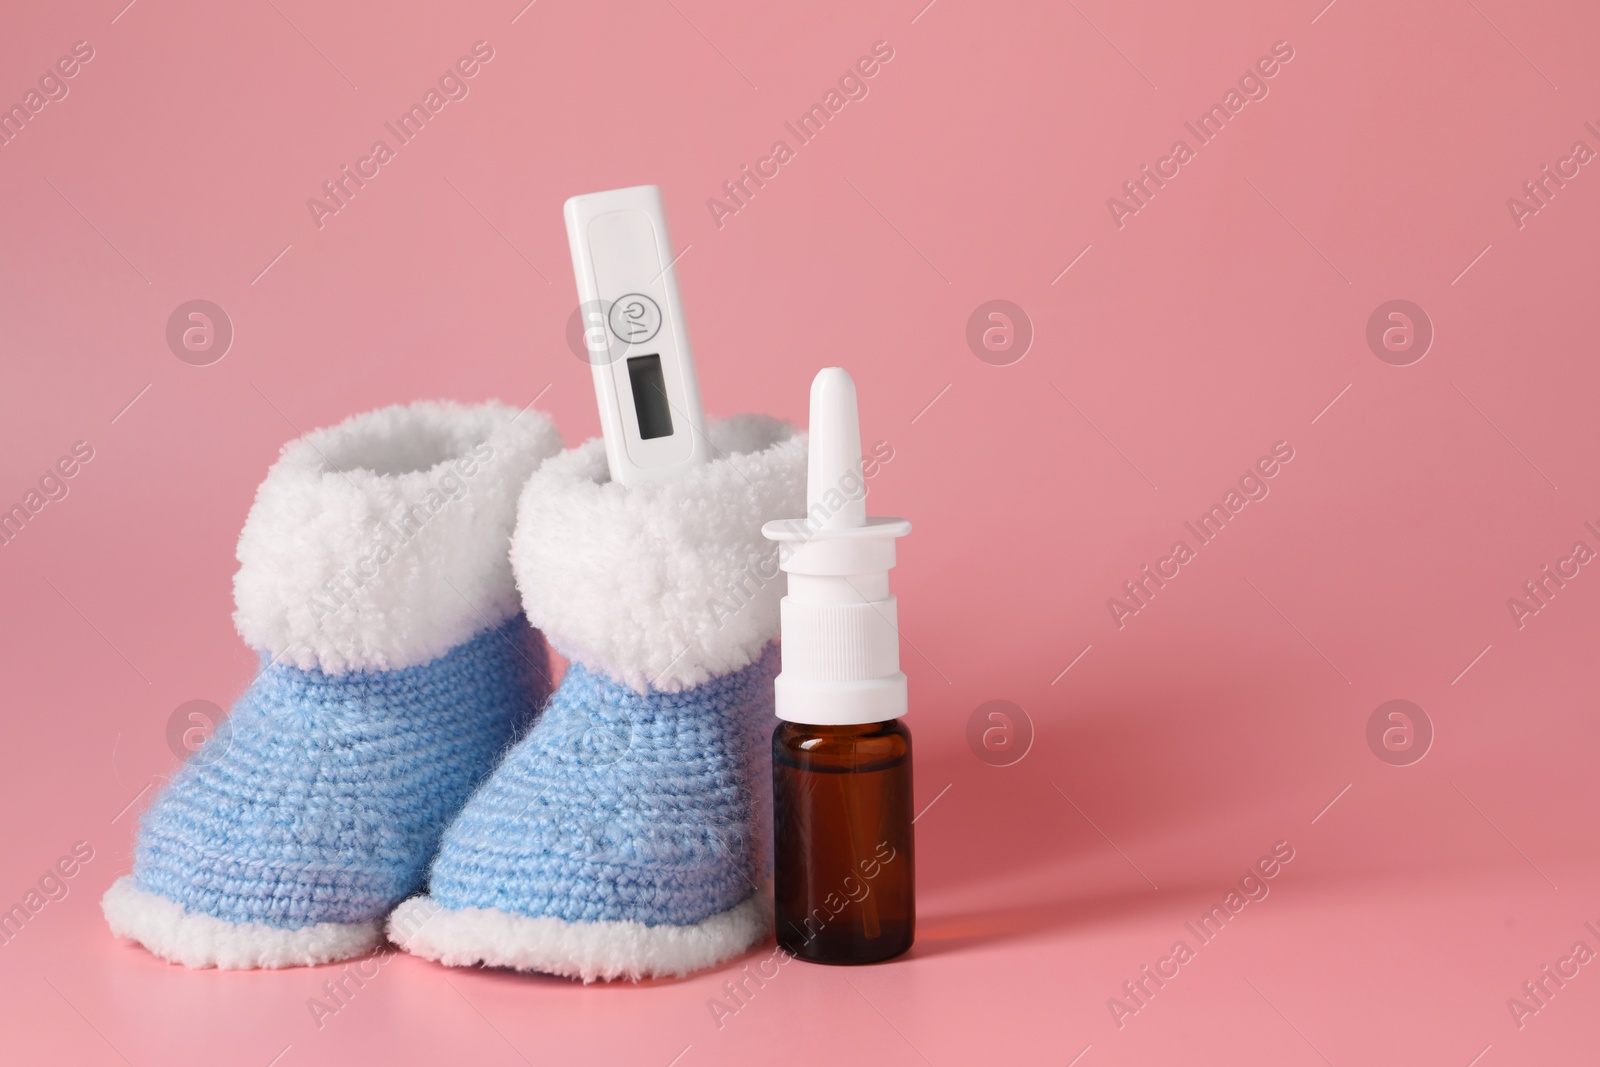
<point>841,644</point>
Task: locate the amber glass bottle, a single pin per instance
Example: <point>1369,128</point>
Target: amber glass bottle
<point>845,874</point>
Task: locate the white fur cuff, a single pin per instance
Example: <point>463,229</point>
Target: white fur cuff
<point>196,940</point>
<point>380,543</point>
<point>588,950</point>
<point>661,585</point>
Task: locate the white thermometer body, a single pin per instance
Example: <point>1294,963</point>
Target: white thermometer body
<point>638,345</point>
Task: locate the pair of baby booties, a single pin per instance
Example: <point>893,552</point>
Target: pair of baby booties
<point>400,767</point>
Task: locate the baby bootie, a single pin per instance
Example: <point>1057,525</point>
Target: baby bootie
<point>628,835</point>
<point>396,666</point>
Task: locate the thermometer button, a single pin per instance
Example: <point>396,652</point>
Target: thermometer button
<point>634,319</point>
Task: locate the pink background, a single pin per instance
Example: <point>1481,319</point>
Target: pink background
<point>1224,317</point>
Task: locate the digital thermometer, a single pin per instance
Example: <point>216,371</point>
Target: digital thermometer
<point>633,329</point>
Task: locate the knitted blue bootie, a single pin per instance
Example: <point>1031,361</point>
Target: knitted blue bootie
<point>397,666</point>
<point>628,835</point>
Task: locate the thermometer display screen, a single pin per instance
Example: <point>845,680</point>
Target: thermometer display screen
<point>650,397</point>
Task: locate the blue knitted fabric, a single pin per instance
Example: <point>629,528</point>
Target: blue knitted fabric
<point>329,799</point>
<point>652,807</point>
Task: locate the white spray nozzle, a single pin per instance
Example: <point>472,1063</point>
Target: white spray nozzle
<point>841,648</point>
<point>834,461</point>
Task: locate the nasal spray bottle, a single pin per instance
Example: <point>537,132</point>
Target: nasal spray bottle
<point>841,758</point>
